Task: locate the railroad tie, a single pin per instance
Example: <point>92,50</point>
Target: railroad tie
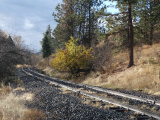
<point>142,117</point>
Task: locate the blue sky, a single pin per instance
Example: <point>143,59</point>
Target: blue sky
<point>28,19</point>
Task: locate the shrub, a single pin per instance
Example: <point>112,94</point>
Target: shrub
<point>74,58</point>
<point>102,57</point>
<point>10,55</point>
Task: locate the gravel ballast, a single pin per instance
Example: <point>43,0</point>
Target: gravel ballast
<point>59,106</point>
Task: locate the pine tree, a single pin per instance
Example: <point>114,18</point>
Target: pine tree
<point>123,23</point>
<point>46,50</point>
<point>78,19</point>
<point>50,39</point>
<point>148,14</point>
<point>48,32</point>
<point>130,34</point>
<point>65,18</point>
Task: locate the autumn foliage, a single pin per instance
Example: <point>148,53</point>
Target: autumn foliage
<point>73,58</point>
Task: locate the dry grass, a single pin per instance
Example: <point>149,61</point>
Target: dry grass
<point>48,70</point>
<point>52,72</point>
<point>34,115</point>
<point>5,89</point>
<point>1,115</point>
<point>19,65</point>
<point>43,65</point>
<point>138,77</point>
<point>144,76</point>
<point>12,107</point>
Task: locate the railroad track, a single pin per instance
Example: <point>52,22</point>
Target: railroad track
<point>142,106</point>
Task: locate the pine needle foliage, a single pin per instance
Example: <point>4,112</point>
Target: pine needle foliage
<point>46,50</point>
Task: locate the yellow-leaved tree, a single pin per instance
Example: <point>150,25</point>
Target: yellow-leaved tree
<point>74,58</point>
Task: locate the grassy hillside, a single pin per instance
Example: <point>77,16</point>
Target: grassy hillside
<point>143,76</point>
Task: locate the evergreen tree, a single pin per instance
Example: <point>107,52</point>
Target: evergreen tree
<point>147,13</point>
<point>50,39</point>
<point>65,18</point>
<point>137,19</point>
<point>78,19</point>
<point>46,49</point>
<point>122,22</point>
<point>58,39</point>
<point>48,32</point>
<point>130,33</point>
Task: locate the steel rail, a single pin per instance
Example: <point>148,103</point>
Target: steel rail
<point>145,100</point>
<point>103,99</point>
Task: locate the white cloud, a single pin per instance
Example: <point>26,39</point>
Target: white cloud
<point>28,24</point>
<point>28,19</point>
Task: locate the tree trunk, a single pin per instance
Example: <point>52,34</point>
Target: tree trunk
<point>151,23</point>
<point>72,22</point>
<point>151,35</point>
<point>131,42</point>
<point>89,41</point>
<point>145,24</point>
